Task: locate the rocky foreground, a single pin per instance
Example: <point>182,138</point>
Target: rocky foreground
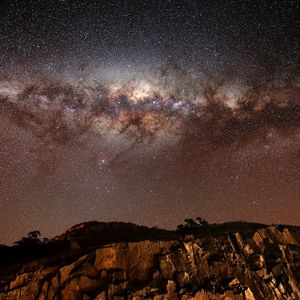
<point>260,264</point>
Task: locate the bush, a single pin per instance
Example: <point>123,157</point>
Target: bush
<point>191,226</point>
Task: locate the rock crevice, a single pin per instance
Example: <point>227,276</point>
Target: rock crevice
<point>265,265</point>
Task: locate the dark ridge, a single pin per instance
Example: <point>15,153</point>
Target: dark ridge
<point>88,236</point>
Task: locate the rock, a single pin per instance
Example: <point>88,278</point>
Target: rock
<point>249,295</point>
<point>264,265</point>
<point>102,296</point>
<point>142,293</point>
<point>72,291</point>
<point>44,291</point>
<point>136,258</point>
<point>86,269</point>
<point>54,288</point>
<point>288,237</point>
<point>88,285</point>
<point>118,289</point>
<point>259,241</point>
<point>20,281</point>
<point>167,267</point>
<point>183,279</point>
<point>66,271</point>
<point>171,290</point>
<point>234,282</point>
<point>47,273</point>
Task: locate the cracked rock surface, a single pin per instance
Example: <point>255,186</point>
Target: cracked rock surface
<point>262,265</point>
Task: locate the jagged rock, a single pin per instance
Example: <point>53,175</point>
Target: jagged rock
<point>263,265</point>
<point>20,281</point>
<point>47,273</point>
<point>66,271</point>
<point>136,258</point>
<point>183,279</point>
<point>289,239</point>
<point>54,288</point>
<point>102,296</point>
<point>88,285</point>
<point>72,291</point>
<point>171,290</point>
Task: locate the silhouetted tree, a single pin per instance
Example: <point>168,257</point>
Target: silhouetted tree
<point>45,240</point>
<point>190,223</point>
<point>191,226</point>
<point>32,239</point>
<point>35,234</point>
<point>202,222</point>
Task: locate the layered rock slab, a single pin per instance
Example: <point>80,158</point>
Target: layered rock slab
<point>263,266</point>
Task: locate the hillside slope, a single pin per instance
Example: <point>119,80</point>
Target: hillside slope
<point>103,261</point>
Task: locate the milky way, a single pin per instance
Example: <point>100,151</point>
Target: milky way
<point>60,112</point>
<point>148,114</point>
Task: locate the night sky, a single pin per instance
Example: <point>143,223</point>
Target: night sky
<point>148,112</point>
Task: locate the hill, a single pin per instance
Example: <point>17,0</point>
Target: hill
<point>97,260</point>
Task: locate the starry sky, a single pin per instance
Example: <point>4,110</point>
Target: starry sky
<point>148,112</point>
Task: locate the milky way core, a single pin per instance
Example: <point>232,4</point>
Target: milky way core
<point>148,114</point>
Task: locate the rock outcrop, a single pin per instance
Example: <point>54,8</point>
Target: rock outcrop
<point>264,265</point>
